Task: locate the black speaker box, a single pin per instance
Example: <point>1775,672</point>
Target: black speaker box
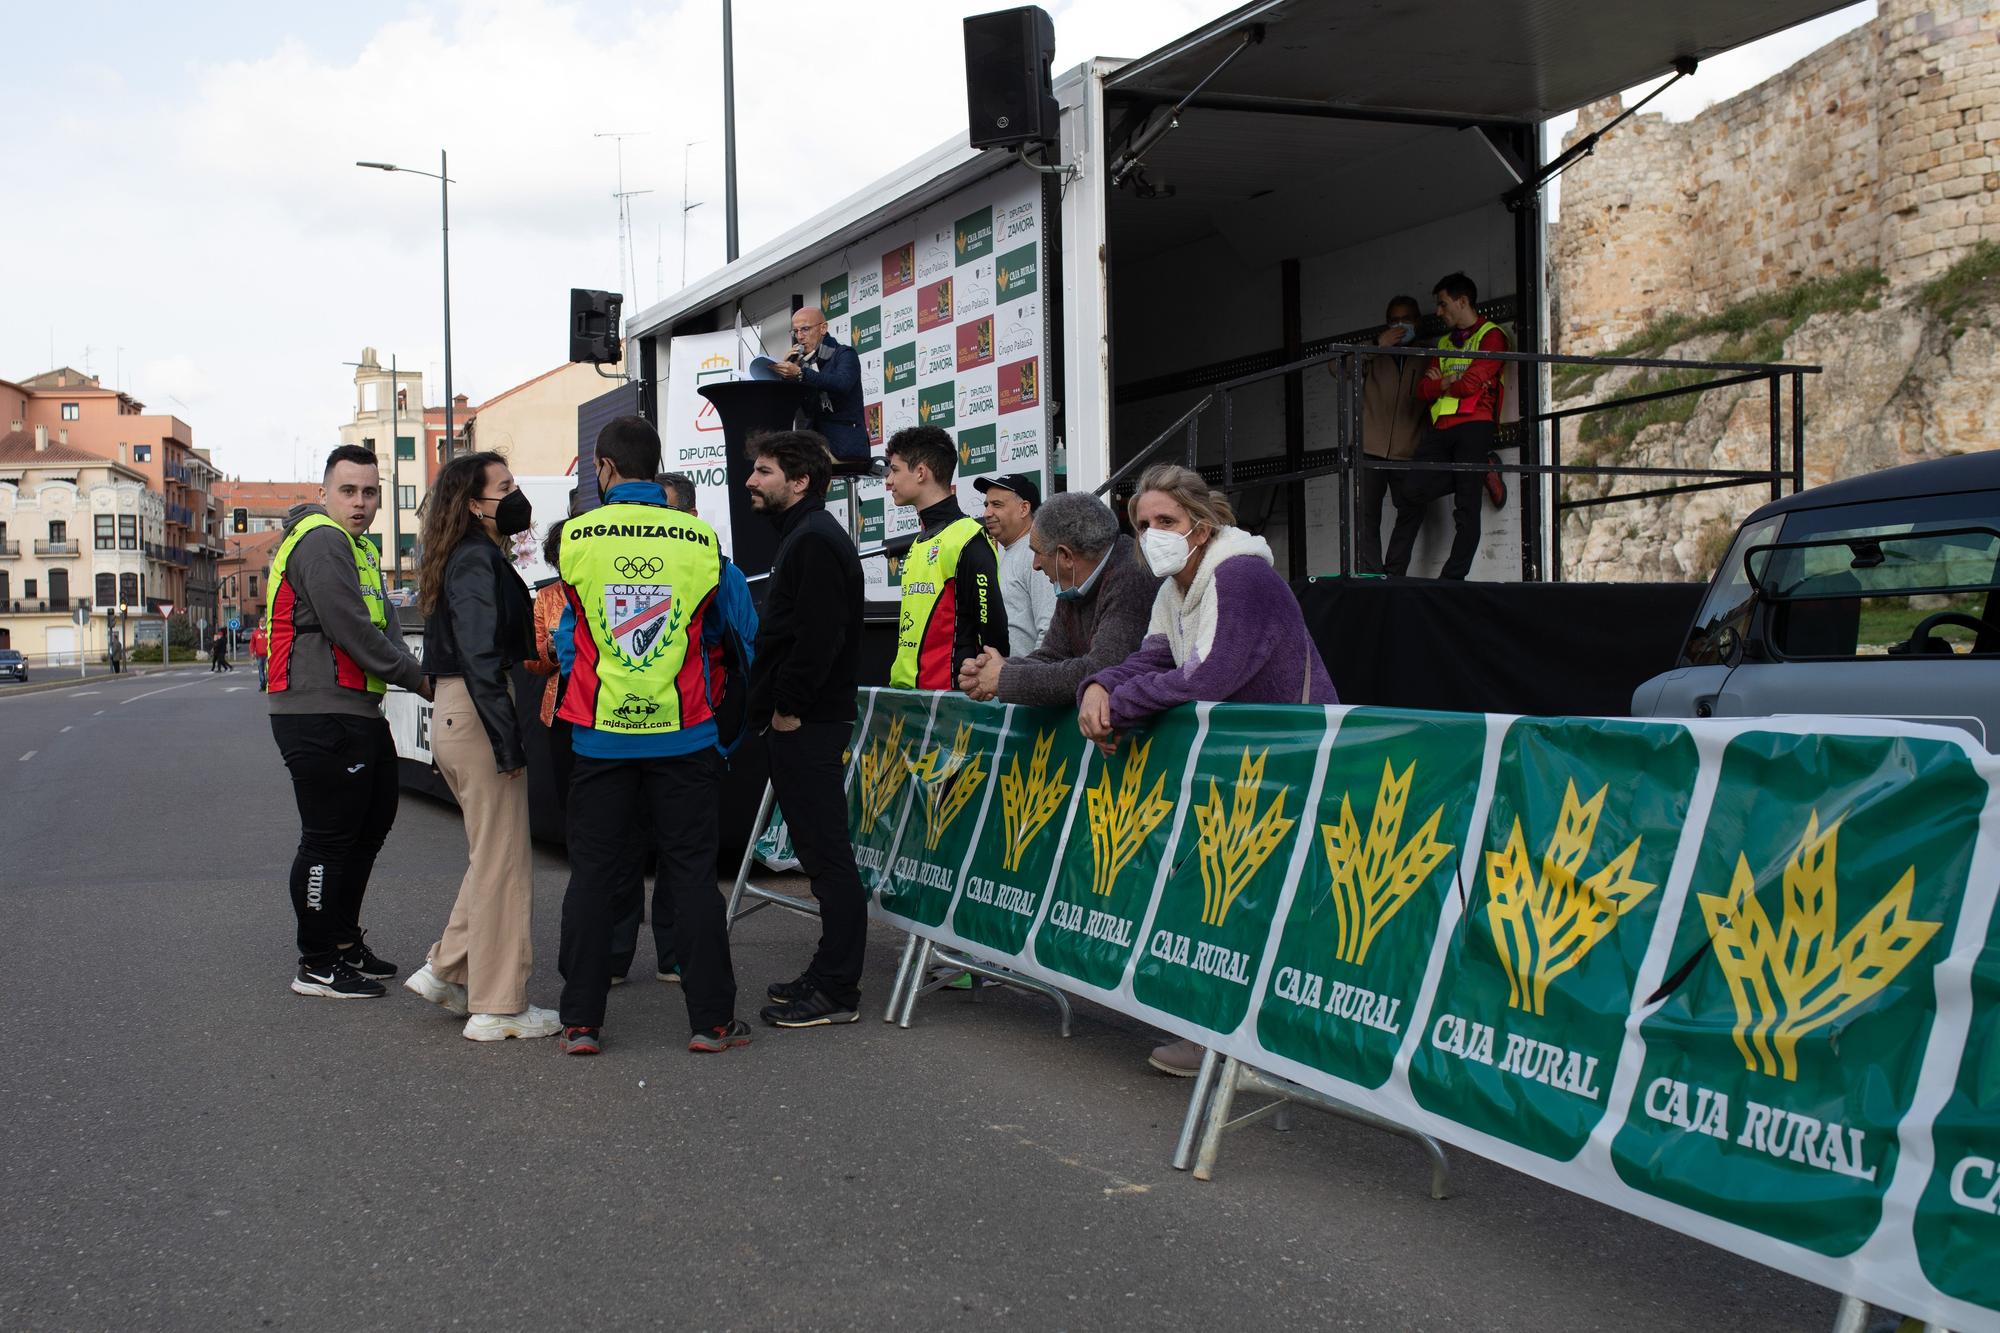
<point>594,319</point>
<point>1009,93</point>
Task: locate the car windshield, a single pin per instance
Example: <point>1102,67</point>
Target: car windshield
<point>1859,580</point>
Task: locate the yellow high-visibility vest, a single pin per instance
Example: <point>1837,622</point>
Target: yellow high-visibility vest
<point>640,579</point>
<point>930,607</point>
<point>282,600</point>
<point>1451,367</point>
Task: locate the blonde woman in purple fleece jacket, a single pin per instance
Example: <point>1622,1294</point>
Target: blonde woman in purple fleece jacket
<point>1225,628</point>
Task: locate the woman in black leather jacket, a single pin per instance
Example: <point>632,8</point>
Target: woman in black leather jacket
<point>478,624</point>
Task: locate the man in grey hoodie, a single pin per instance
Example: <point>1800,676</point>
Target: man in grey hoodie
<point>335,650</point>
<point>1104,599</point>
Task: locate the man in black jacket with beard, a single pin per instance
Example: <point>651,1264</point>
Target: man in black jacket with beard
<point>802,680</point>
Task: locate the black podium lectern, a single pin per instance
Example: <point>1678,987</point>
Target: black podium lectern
<point>747,407</point>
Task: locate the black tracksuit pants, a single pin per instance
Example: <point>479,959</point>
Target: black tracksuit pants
<point>344,776</point>
<point>613,806</point>
<point>1468,442</point>
<point>807,768</point>
<point>628,905</point>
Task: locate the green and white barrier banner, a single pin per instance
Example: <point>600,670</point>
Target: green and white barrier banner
<point>1739,978</point>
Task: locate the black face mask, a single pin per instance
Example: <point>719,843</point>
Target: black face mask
<point>514,514</point>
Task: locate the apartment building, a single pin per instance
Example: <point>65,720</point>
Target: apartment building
<point>76,532</point>
<point>78,412</point>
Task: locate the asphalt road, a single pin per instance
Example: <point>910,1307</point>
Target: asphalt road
<point>188,1144</point>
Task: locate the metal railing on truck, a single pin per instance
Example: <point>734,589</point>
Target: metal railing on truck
<point>1346,459</point>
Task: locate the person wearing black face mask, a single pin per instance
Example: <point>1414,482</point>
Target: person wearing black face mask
<point>478,623</point>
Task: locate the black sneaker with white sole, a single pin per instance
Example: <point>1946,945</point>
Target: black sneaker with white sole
<point>365,961</point>
<point>791,992</point>
<point>335,981</point>
<point>813,1011</point>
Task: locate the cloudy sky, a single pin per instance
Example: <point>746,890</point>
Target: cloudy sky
<point>185,219</point>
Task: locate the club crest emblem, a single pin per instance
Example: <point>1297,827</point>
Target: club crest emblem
<point>637,616</point>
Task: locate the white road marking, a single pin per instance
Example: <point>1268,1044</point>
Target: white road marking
<point>150,693</point>
<point>78,694</point>
<point>98,713</point>
<point>60,732</point>
<point>29,755</point>
<point>234,689</point>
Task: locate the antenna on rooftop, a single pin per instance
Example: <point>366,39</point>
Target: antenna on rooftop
<point>627,270</point>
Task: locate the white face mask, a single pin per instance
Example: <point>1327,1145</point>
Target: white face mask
<point>1166,552</point>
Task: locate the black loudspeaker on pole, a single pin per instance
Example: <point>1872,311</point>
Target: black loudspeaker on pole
<point>594,321</point>
<point>1009,72</point>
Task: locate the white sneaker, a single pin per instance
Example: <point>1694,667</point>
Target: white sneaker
<point>434,988</point>
<point>530,1022</point>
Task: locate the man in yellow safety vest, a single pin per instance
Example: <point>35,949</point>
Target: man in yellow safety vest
<point>661,631</point>
<point>952,608</point>
<point>335,650</point>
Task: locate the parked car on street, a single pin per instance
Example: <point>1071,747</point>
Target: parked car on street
<point>13,664</point>
<point>1878,596</point>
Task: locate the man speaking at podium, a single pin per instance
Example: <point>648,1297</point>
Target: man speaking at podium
<point>821,364</point>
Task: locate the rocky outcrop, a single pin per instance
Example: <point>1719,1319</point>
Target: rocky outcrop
<point>1898,386</point>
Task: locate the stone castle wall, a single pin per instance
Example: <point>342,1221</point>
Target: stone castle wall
<point>1879,150</point>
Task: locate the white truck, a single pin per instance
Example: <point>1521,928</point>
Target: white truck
<point>1244,198</point>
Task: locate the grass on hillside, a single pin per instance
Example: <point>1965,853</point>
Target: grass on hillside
<point>1757,329</point>
<point>1971,282</point>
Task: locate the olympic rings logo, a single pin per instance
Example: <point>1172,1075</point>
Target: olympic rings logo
<point>638,567</point>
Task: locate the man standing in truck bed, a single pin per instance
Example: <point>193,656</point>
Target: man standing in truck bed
<point>1465,398</point>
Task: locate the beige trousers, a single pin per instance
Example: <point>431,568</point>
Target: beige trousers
<point>488,945</point>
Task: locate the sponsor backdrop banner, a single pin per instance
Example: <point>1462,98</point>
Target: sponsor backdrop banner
<point>945,310</point>
<point>1738,978</point>
<point>692,441</point>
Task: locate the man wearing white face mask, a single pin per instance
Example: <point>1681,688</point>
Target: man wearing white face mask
<point>1392,421</point>
<point>1104,594</point>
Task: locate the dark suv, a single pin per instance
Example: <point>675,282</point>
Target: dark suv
<point>1878,596</point>
<point>13,666</point>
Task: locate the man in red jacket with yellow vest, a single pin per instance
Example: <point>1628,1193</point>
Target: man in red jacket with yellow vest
<point>333,656</point>
<point>950,578</point>
<point>1465,397</point>
<point>661,629</point>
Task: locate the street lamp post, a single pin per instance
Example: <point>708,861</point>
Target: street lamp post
<point>443,177</point>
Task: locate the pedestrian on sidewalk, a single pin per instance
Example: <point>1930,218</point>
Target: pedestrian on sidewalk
<point>260,648</point>
<point>478,624</point>
<point>660,632</point>
<point>115,650</point>
<point>332,659</point>
<point>802,700</point>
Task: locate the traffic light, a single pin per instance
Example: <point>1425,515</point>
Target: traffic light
<point>239,519</point>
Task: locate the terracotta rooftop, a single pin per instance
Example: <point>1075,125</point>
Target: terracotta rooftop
<point>522,385</point>
<point>17,449</point>
<point>265,496</point>
<point>252,548</point>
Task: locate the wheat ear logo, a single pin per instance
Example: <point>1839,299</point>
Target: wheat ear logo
<point>1373,879</point>
<point>1236,842</point>
<point>1790,980</point>
<point>1120,822</point>
<point>949,778</point>
<point>883,765</point>
<point>1543,929</point>
<point>1026,806</point>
